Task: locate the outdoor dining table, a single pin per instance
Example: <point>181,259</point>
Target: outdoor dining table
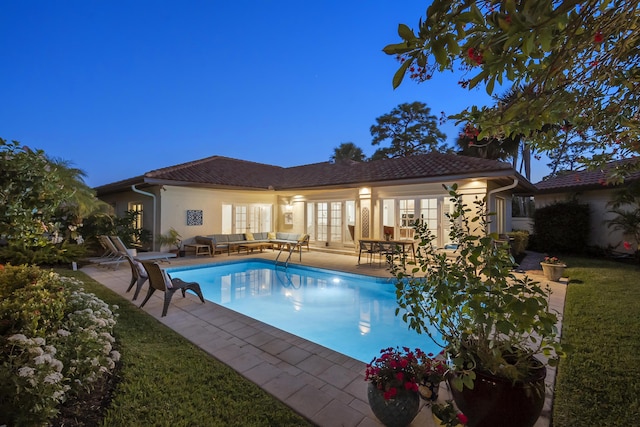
<point>377,245</point>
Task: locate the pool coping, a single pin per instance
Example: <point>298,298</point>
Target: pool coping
<point>324,386</point>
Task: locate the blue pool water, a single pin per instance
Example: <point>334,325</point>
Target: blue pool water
<point>348,313</point>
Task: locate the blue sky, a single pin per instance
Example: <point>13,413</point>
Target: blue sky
<point>120,88</point>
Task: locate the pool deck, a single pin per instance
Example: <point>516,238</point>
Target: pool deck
<point>324,386</point>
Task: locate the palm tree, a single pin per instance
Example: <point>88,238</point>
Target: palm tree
<point>347,151</point>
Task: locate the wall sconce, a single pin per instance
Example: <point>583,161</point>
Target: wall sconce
<point>288,207</point>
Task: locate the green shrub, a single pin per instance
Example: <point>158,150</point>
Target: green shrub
<point>56,340</point>
<point>48,255</point>
<point>519,241</point>
<point>562,227</point>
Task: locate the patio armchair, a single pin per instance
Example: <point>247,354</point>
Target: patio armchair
<point>368,248</point>
<point>160,280</point>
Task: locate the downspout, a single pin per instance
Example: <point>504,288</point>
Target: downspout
<point>155,209</point>
<point>498,190</point>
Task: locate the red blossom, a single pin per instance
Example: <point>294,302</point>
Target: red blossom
<point>627,246</point>
<point>390,394</point>
<point>475,55</point>
<point>598,37</point>
<point>462,418</point>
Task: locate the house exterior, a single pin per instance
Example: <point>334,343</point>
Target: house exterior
<point>590,187</point>
<point>335,203</point>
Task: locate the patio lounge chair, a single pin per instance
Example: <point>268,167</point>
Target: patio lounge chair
<point>111,254</point>
<point>160,280</point>
<point>122,249</point>
<point>138,276</point>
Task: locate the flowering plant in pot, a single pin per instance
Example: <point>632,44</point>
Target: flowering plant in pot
<point>553,268</point>
<point>446,415</point>
<point>553,260</point>
<point>393,371</point>
<point>487,319</point>
<point>393,386</point>
<point>431,372</point>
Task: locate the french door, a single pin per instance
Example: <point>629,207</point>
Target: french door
<point>326,221</point>
<point>254,218</point>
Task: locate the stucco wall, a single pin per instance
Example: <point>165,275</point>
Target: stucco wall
<point>175,201</point>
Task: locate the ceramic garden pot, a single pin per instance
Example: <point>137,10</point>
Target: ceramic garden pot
<point>498,402</point>
<point>553,272</point>
<point>396,412</point>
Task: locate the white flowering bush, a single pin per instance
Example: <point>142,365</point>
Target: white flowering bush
<point>55,340</point>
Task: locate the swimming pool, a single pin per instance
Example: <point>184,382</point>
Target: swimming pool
<point>348,313</point>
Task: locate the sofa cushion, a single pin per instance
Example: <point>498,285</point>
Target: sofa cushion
<point>234,238</point>
<point>248,236</point>
<point>261,236</point>
<point>271,235</point>
<point>221,238</point>
<point>291,237</point>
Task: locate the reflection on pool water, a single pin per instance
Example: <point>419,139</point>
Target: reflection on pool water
<point>348,313</point>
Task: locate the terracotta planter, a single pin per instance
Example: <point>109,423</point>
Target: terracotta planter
<point>496,401</point>
<point>396,412</point>
<point>553,271</point>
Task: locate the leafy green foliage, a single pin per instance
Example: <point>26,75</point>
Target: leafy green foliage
<point>519,242</point>
<point>626,206</point>
<point>49,255</point>
<point>562,227</point>
<point>486,317</point>
<point>110,225</point>
<point>576,60</point>
<point>42,203</point>
<point>55,341</point>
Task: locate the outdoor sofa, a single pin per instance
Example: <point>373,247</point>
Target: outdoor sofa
<point>228,242</point>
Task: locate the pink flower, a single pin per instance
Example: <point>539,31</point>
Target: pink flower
<point>628,246</point>
<point>462,418</point>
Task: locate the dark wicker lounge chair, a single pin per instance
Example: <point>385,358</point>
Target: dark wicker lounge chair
<point>160,280</point>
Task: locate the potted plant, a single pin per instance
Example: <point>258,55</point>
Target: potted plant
<point>393,386</point>
<point>489,321</point>
<point>446,415</point>
<point>172,238</point>
<point>430,372</point>
<point>552,268</point>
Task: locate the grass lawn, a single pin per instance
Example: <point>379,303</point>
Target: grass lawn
<point>598,384</point>
<point>164,380</point>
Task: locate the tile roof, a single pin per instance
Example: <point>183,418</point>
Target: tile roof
<point>587,179</point>
<point>228,172</point>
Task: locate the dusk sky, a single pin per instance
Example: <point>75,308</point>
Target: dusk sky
<point>119,88</point>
